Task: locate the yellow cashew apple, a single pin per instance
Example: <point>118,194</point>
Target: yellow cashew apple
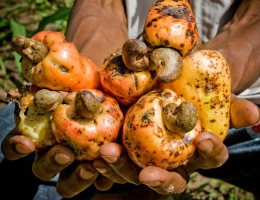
<point>205,81</point>
<point>33,113</point>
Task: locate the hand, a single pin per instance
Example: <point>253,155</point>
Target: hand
<point>115,166</point>
<point>211,153</point>
<point>97,42</point>
<point>238,44</point>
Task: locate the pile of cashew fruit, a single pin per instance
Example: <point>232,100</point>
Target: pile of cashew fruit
<point>153,96</point>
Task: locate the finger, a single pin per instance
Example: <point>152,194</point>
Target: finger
<point>103,168</point>
<point>76,178</point>
<point>243,112</point>
<point>50,163</point>
<point>103,183</point>
<point>15,145</point>
<point>118,160</point>
<point>163,181</point>
<point>211,152</point>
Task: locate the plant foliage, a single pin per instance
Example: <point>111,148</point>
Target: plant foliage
<point>26,17</point>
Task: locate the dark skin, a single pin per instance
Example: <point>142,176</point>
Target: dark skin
<point>114,165</point>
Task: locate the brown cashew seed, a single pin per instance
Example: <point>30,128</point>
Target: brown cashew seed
<point>125,85</point>
<point>180,119</point>
<point>169,63</point>
<point>47,100</point>
<point>29,48</point>
<point>134,55</point>
<point>86,105</point>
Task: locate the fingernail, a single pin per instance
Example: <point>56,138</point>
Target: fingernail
<point>152,184</point>
<point>102,170</point>
<point>86,174</point>
<point>110,159</point>
<point>206,145</point>
<point>62,159</point>
<point>20,148</point>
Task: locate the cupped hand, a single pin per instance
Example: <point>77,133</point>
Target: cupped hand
<point>211,153</point>
<point>15,146</point>
<point>115,166</point>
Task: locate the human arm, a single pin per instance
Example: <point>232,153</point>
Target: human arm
<point>239,44</point>
<point>97,28</point>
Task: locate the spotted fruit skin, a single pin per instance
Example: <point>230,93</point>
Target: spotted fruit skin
<point>146,138</point>
<point>63,68</point>
<point>32,121</point>
<point>124,85</point>
<point>86,136</point>
<point>206,82</point>
<point>171,24</point>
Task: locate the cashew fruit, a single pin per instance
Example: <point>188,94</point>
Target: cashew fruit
<point>86,120</point>
<point>49,61</point>
<point>205,81</point>
<point>159,130</point>
<point>126,74</point>
<point>171,24</point>
<point>32,119</point>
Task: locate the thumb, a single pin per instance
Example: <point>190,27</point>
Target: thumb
<point>243,112</point>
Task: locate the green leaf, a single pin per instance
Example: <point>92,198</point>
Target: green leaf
<point>4,22</point>
<point>17,29</point>
<point>39,1</point>
<point>2,67</point>
<point>16,7</point>
<point>61,13</point>
<point>17,58</point>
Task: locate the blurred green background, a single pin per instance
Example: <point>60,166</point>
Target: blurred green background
<point>26,17</point>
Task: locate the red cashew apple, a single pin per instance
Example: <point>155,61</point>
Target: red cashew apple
<point>159,130</point>
<point>86,120</point>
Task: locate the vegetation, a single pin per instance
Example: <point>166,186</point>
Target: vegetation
<point>26,17</point>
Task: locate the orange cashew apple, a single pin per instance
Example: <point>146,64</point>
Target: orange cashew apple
<point>159,130</point>
<point>49,61</point>
<point>127,74</point>
<point>171,24</point>
<point>86,120</point>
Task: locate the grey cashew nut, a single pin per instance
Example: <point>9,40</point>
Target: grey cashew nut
<point>169,63</point>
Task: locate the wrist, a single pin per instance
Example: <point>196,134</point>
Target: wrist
<point>96,29</point>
